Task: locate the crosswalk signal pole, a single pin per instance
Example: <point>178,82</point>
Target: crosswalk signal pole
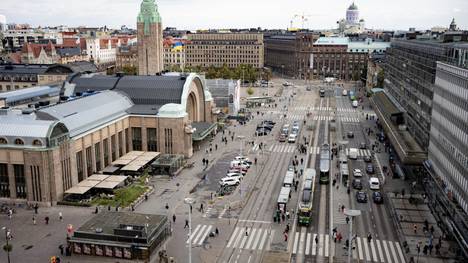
<point>351,214</point>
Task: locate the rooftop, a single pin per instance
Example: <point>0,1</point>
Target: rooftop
<point>332,41</point>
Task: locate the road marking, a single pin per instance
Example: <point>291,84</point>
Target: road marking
<point>244,239</point>
<point>366,249</point>
<point>374,254</point>
<point>271,148</point>
<point>302,240</point>
<point>199,234</point>
<point>222,213</point>
<point>259,234</point>
<point>386,251</point>
<point>239,236</point>
<point>402,258</point>
<point>392,249</point>
<point>326,245</point>
<point>254,221</point>
<point>361,256</point>
<point>379,248</point>
<point>233,236</point>
<point>307,250</point>
<point>265,234</point>
<point>314,245</point>
<point>193,233</point>
<point>320,245</point>
<point>204,235</point>
<point>296,240</point>
<point>251,238</point>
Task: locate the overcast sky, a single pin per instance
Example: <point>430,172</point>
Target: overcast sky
<point>205,14</point>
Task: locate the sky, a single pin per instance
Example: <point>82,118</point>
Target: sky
<point>206,14</point>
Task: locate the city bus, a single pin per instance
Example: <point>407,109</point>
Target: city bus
<point>325,164</point>
<point>305,204</point>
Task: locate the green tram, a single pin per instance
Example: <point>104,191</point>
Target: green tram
<point>325,164</point>
<point>305,204</point>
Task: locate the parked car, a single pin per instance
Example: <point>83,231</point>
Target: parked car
<point>350,134</point>
<point>357,173</point>
<point>269,122</point>
<point>357,184</point>
<point>374,183</point>
<point>261,132</point>
<point>363,145</point>
<point>367,159</point>
<point>370,169</point>
<point>361,197</point>
<point>241,163</point>
<point>292,138</point>
<point>282,137</point>
<point>244,159</point>
<point>265,126</point>
<point>377,197</point>
<point>234,175</point>
<point>227,181</point>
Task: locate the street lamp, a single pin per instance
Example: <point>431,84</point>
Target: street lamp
<point>351,213</point>
<point>240,137</point>
<point>190,201</point>
<point>7,247</point>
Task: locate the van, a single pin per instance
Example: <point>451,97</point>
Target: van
<point>355,104</point>
<point>228,181</point>
<point>344,169</point>
<point>288,179</point>
<point>292,138</point>
<point>374,183</point>
<point>353,153</point>
<point>345,92</point>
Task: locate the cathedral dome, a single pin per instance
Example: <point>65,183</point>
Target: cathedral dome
<point>352,7</point>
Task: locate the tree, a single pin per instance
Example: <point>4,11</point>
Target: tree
<point>380,78</point>
<point>364,75</point>
<point>266,74</point>
<point>250,91</point>
<point>129,70</point>
<point>355,76</point>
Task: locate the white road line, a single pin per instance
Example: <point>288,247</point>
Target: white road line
<point>204,235</point>
<point>389,259</point>
<point>259,234</point>
<point>193,234</point>
<point>307,250</point>
<point>264,238</point>
<point>239,236</point>
<point>326,245</point>
<point>301,242</point>
<point>375,258</point>
<point>379,248</point>
<point>222,213</point>
<point>320,245</point>
<point>244,239</point>
<point>271,148</point>
<point>233,237</point>
<point>296,240</point>
<point>314,245</point>
<point>366,249</point>
<point>251,238</point>
<point>359,246</point>
<point>199,234</point>
<point>392,249</point>
<point>402,258</point>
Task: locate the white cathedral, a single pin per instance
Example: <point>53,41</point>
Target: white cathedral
<point>352,23</point>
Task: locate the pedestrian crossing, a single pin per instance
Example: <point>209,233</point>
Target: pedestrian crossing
<point>199,234</point>
<point>318,108</point>
<point>210,211</point>
<point>322,118</point>
<point>250,238</point>
<point>361,152</point>
<point>376,250</point>
<point>349,119</point>
<point>293,117</point>
<point>283,148</point>
<point>346,110</point>
<point>314,150</point>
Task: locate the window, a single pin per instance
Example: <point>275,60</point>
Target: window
<point>136,139</point>
<point>152,137</point>
<point>20,180</point>
<point>3,141</point>
<point>89,161</point>
<point>120,143</point>
<point>79,165</point>
<point>168,140</point>
<point>106,151</point>
<point>127,140</point>
<point>97,156</point>
<point>113,147</point>
<point>19,142</point>
<point>4,181</point>
<point>37,143</point>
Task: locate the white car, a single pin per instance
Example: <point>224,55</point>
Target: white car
<point>357,173</point>
<point>237,170</point>
<point>374,183</point>
<point>292,138</point>
<point>228,181</point>
<point>235,175</point>
<point>240,164</point>
<point>243,159</point>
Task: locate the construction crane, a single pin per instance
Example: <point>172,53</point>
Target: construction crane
<point>304,18</point>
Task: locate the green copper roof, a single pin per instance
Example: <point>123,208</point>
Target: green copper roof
<point>352,7</point>
<point>148,14</point>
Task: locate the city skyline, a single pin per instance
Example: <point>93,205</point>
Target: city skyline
<point>206,14</point>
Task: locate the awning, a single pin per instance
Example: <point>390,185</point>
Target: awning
<point>97,177</point>
<point>386,104</point>
<point>202,129</point>
<point>107,185</point>
<point>116,178</point>
<point>78,190</point>
<point>132,167</point>
<point>110,169</point>
<point>88,183</point>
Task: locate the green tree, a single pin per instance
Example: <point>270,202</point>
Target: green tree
<point>129,70</point>
<point>250,91</point>
<point>355,76</point>
<point>364,74</point>
<point>212,73</point>
<point>380,78</point>
<point>266,74</point>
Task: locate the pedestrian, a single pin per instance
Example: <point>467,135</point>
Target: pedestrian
<point>34,220</point>
<point>246,232</point>
<point>432,230</point>
<point>216,147</point>
<point>216,231</point>
<point>190,209</point>
<point>203,161</point>
<point>339,237</point>
<point>295,187</point>
<point>211,149</point>
<point>61,249</point>
<point>186,224</point>
<point>108,208</point>
<point>287,215</point>
<point>167,206</point>
<point>285,237</point>
<point>342,208</point>
<point>46,220</point>
<point>316,240</point>
<point>201,207</point>
<point>347,219</point>
<point>36,207</point>
<point>10,213</point>
<point>283,217</point>
<point>334,237</point>
<point>426,223</point>
<point>61,216</point>
<point>369,237</point>
<point>173,218</point>
<point>415,228</point>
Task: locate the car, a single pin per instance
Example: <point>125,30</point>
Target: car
<point>244,159</point>
<point>350,134</point>
<point>374,183</point>
<point>344,92</point>
<point>291,168</point>
<point>269,122</point>
<point>357,173</point>
<point>227,181</point>
<point>370,169</point>
<point>361,197</point>
<point>308,88</point>
<point>292,138</point>
<point>234,175</point>
<point>237,170</point>
<point>266,127</point>
<point>362,145</point>
<point>377,197</point>
<point>357,184</point>
<point>367,158</point>
<point>261,132</point>
<point>236,163</point>
<point>282,137</point>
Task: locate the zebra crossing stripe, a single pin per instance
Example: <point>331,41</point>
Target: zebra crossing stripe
<point>301,242</point>
<point>244,239</point>
<point>359,248</point>
<point>389,260</point>
<point>366,249</point>
<point>193,234</point>
<point>264,238</point>
<point>259,234</point>
<point>375,258</point>
<point>251,238</point>
<point>400,253</point>
<point>314,245</point>
<point>199,234</point>
<point>296,240</point>
<point>392,249</point>
<point>307,250</point>
<point>379,248</point>
<point>239,236</point>
<point>326,245</point>
<point>205,234</point>
<point>320,245</point>
<point>271,148</point>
